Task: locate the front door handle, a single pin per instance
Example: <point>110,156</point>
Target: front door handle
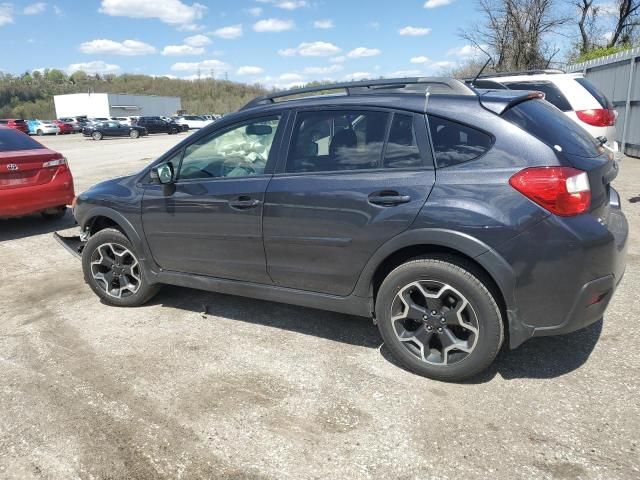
<point>388,198</point>
<point>244,203</point>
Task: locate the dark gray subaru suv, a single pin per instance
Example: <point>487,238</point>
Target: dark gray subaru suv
<point>454,217</point>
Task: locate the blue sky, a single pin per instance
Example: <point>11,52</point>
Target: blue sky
<point>274,42</point>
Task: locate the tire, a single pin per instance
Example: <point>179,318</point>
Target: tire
<point>134,134</point>
<point>464,335</point>
<point>54,213</point>
<point>40,133</point>
<point>96,135</point>
<point>132,286</point>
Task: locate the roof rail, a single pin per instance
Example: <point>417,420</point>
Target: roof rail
<point>435,85</point>
<point>549,71</point>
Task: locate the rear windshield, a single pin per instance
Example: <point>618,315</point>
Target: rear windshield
<point>552,94</point>
<point>553,127</point>
<point>11,141</point>
<point>597,94</point>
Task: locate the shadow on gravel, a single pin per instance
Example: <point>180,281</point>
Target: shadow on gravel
<point>544,357</point>
<point>332,326</point>
<point>16,228</point>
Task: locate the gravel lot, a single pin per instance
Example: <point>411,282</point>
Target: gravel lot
<point>254,389</point>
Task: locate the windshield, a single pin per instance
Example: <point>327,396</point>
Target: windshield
<point>547,123</point>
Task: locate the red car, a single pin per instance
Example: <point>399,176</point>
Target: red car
<point>16,124</point>
<point>64,127</point>
<point>32,178</point>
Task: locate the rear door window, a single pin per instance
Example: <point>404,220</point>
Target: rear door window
<point>455,143</point>
<point>554,128</point>
<point>595,93</point>
<point>335,140</point>
<point>402,146</point>
<point>552,93</point>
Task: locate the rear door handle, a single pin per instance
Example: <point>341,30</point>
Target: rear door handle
<point>388,198</point>
<point>244,203</point>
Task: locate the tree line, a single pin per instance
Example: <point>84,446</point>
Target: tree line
<point>30,95</point>
<point>529,34</point>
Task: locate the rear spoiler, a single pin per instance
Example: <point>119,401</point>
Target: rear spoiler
<point>499,101</point>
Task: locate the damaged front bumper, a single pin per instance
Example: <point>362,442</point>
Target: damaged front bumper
<point>73,244</point>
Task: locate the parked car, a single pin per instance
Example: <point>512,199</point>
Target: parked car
<point>42,127</point>
<point>158,125</point>
<point>15,123</point>
<point>76,125</point>
<point>112,129</point>
<point>455,220</point>
<point>125,120</point>
<point>33,178</point>
<point>63,127</point>
<point>193,121</point>
<point>573,94</point>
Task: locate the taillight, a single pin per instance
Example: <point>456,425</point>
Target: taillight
<point>600,117</point>
<point>563,191</point>
<point>55,163</point>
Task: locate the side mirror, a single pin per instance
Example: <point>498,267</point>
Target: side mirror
<point>163,173</point>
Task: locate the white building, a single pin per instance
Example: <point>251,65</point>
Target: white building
<point>105,105</point>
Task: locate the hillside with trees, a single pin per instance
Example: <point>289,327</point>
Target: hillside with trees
<point>30,95</point>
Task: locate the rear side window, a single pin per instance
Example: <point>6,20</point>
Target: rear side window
<point>11,141</point>
<point>552,93</point>
<point>337,140</point>
<point>554,128</point>
<point>402,147</point>
<point>455,143</point>
<point>595,93</point>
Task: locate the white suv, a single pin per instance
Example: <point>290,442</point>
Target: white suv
<point>578,98</point>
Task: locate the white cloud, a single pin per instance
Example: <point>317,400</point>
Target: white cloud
<point>437,3</point>
<point>358,76</point>
<point>35,8</point>
<point>177,50</point>
<point>290,4</point>
<point>323,24</point>
<point>323,70</point>
<point>363,52</point>
<point>249,70</point>
<point>128,48</point>
<point>273,25</point>
<point>229,33</point>
<point>419,60</point>
<point>6,14</point>
<point>291,77</point>
<point>339,59</point>
<point>94,67</point>
<point>311,49</point>
<point>466,51</point>
<point>173,12</point>
<point>204,66</point>
<point>190,27</point>
<point>607,36</point>
<point>58,11</point>
<point>197,40</point>
<point>442,65</point>
<point>414,31</point>
<point>255,11</point>
<point>405,73</point>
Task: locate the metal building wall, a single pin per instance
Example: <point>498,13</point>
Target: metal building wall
<point>618,77</point>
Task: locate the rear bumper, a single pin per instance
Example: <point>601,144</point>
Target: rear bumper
<point>18,202</point>
<point>566,272</point>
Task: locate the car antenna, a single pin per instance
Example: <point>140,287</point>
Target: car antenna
<point>481,70</point>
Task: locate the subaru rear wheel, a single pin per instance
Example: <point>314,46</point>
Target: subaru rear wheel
<point>438,319</point>
<point>134,133</point>
<point>96,135</point>
<point>111,267</point>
